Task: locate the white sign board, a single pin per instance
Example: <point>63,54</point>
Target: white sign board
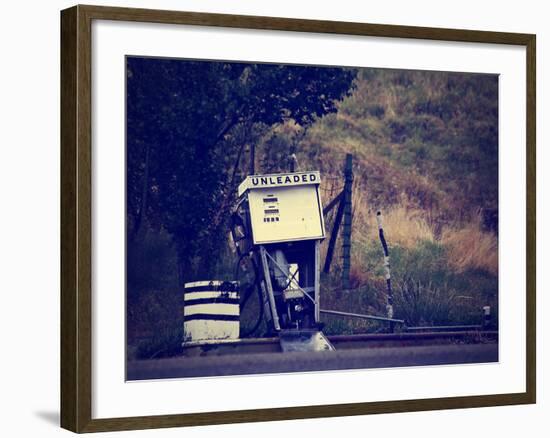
<point>284,207</point>
<point>279,180</point>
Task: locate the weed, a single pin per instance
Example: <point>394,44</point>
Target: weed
<point>164,342</point>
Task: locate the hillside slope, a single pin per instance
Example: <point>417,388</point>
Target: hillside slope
<point>425,150</point>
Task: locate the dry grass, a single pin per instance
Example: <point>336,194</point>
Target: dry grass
<point>471,247</point>
<point>405,227</point>
<point>467,245</point>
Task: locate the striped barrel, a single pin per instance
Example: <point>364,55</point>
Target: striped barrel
<point>211,310</point>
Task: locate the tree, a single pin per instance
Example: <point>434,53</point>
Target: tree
<point>187,125</point>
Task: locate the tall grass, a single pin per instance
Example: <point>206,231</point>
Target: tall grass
<point>467,244</point>
<point>469,247</point>
<point>421,304</point>
<point>443,273</point>
<point>407,227</point>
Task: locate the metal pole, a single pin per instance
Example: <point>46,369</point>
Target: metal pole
<point>346,231</point>
<point>486,316</point>
<point>293,162</point>
<point>389,306</point>
<point>443,327</point>
<point>361,316</point>
<point>269,287</point>
<point>317,282</point>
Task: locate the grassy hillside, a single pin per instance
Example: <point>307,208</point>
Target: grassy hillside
<point>425,148</point>
<point>429,136</point>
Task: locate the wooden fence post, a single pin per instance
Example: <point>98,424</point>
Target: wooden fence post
<point>334,234</point>
<point>346,231</point>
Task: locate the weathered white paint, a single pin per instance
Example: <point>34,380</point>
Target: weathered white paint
<point>202,330</point>
<point>198,295</point>
<point>203,283</point>
<point>212,309</point>
<point>297,213</point>
<point>208,327</point>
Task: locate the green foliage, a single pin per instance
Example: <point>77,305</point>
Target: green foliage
<point>427,261</point>
<point>405,126</point>
<point>420,304</point>
<point>182,121</point>
<point>427,290</point>
<point>363,298</point>
<point>154,319</point>
<point>165,342</point>
<point>151,262</point>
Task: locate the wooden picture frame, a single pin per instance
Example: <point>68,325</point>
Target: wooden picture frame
<point>76,217</point>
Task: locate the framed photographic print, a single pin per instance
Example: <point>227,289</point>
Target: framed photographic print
<point>255,209</point>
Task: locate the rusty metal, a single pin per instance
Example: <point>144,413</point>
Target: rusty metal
<point>362,316</point>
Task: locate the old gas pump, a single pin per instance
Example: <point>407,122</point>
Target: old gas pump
<point>278,221</point>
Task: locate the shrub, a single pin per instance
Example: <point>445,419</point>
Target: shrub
<point>420,304</point>
<point>164,343</point>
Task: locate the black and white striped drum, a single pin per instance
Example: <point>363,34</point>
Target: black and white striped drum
<point>211,311</point>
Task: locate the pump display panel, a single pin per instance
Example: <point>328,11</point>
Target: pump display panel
<point>283,212</point>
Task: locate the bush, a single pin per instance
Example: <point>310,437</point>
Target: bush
<point>421,305</point>
<point>151,262</point>
<point>164,343</point>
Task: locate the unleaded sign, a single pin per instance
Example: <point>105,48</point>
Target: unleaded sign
<point>279,179</point>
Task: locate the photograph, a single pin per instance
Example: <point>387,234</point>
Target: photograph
<point>292,218</point>
<point>274,217</point>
